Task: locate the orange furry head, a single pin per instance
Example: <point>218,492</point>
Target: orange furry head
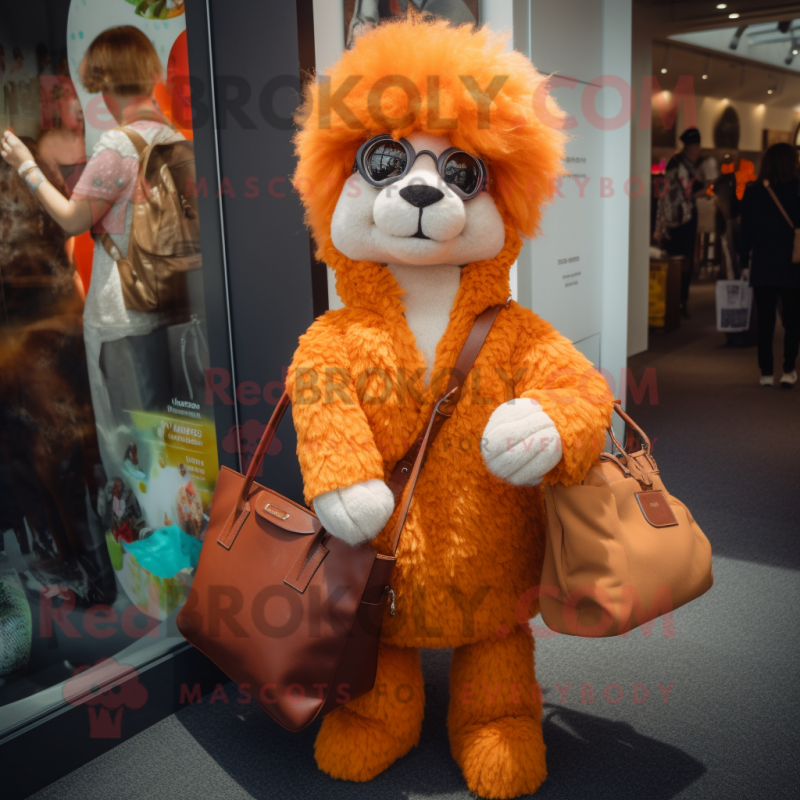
<point>406,76</point>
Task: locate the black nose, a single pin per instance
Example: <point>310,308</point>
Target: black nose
<point>421,196</point>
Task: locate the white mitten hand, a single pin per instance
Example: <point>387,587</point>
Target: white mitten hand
<point>520,442</point>
<point>356,513</point>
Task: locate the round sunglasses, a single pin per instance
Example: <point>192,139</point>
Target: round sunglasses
<point>382,161</point>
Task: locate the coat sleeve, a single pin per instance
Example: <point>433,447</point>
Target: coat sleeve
<point>570,391</point>
<point>335,444</point>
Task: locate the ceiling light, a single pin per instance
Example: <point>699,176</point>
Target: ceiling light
<point>722,5</point>
<point>663,70</point>
<point>705,77</point>
<point>772,85</point>
<point>733,16</point>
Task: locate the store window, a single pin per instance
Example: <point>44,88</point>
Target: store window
<point>108,454</point>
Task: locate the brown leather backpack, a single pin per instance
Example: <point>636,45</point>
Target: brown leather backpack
<point>165,230</point>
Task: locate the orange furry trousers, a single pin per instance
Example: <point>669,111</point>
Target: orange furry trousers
<point>494,718</point>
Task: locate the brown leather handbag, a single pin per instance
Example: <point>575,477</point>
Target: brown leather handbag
<point>620,549</point>
<point>289,612</point>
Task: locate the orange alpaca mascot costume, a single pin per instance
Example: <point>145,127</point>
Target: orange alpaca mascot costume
<point>421,245</point>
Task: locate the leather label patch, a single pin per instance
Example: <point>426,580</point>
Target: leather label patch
<point>656,508</point>
<point>283,513</point>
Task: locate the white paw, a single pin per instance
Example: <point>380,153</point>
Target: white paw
<point>356,513</point>
<point>520,442</point>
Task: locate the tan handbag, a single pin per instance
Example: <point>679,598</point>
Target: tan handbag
<point>796,243</point>
<point>621,551</point>
<point>289,612</point>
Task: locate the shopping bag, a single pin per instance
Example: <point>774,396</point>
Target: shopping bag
<point>734,305</point>
<point>189,360</point>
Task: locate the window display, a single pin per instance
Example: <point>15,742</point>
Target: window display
<point>108,451</point>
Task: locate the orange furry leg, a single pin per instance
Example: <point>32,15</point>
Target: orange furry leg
<point>495,717</point>
<point>360,740</point>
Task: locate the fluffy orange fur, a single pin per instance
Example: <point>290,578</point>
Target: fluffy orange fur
<point>472,544</point>
<point>522,146</point>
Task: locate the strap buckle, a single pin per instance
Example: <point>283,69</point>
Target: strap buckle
<point>447,401</point>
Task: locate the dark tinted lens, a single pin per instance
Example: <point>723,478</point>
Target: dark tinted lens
<point>462,170</point>
<point>385,159</point>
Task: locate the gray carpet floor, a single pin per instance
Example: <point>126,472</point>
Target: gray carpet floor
<point>718,702</point>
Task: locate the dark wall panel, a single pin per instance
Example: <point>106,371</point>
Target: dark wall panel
<point>256,68</point>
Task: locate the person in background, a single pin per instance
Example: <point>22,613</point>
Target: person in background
<point>126,349</point>
<point>726,197</point>
<point>766,241</point>
<point>707,217</point>
<point>48,447</point>
<point>676,213</point>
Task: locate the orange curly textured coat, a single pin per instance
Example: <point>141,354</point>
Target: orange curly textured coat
<point>472,544</point>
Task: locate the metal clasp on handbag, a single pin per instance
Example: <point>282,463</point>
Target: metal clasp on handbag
<point>275,511</point>
<point>391,601</point>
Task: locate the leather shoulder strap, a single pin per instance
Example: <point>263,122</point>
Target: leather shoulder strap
<point>110,247</point>
<point>466,358</point>
<point>138,141</point>
<point>141,145</point>
<point>441,412</point>
<point>779,204</point>
<point>472,346</point>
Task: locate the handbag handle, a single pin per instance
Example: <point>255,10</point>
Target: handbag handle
<point>645,442</point>
<point>258,457</point>
<point>441,412</point>
<point>629,466</point>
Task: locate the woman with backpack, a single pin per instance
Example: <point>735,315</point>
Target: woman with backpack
<point>766,242</point>
<point>126,349</point>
